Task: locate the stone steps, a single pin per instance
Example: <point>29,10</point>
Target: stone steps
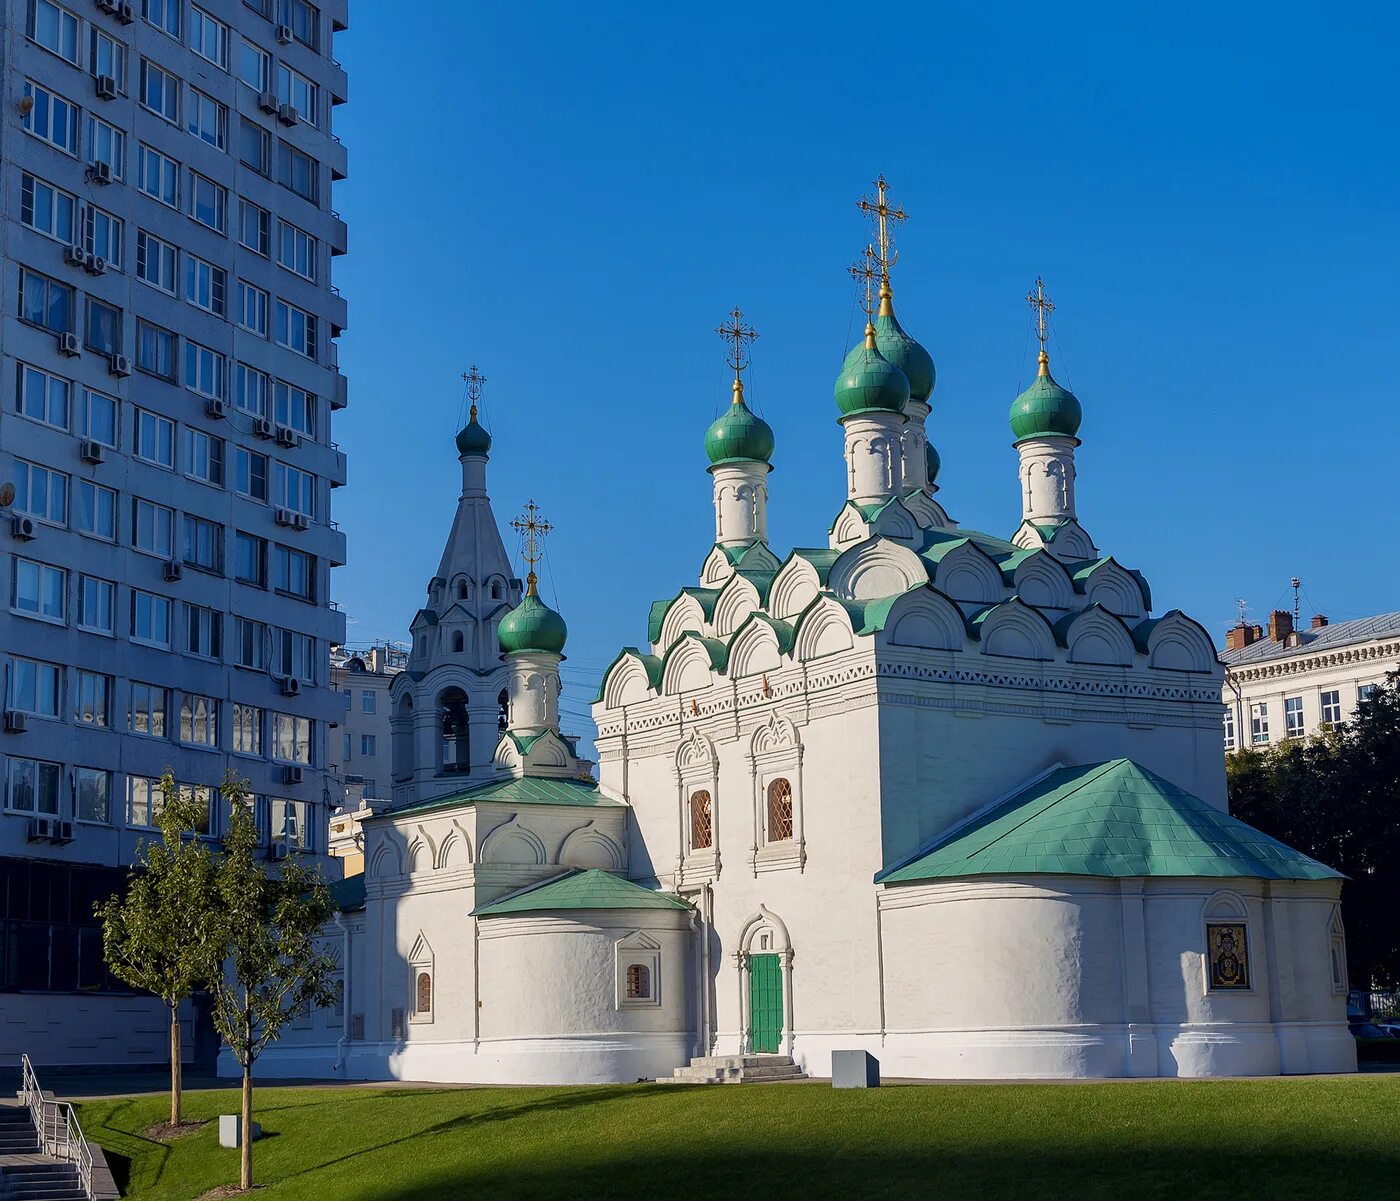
<point>26,1174</point>
<point>736,1069</point>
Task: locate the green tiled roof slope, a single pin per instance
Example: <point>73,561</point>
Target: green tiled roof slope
<point>1108,819</point>
<point>525,791</point>
<point>349,893</point>
<point>592,889</point>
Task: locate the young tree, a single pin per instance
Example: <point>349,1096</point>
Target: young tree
<point>273,966</point>
<point>164,935</point>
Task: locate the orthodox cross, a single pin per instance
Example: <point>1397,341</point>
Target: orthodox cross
<point>473,379</point>
<point>883,214</point>
<point>532,528</point>
<point>741,335</point>
<point>1043,307</point>
<point>865,270</point>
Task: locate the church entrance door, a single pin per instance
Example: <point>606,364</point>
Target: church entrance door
<point>765,1003</point>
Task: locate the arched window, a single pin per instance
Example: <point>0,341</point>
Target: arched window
<point>463,591</point>
<point>423,994</point>
<point>503,711</point>
<point>402,736</point>
<point>456,746</point>
<point>779,810</point>
<point>458,643</point>
<point>702,829</point>
<point>497,592</point>
<point>638,982</point>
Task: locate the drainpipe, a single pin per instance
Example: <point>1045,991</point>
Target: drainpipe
<point>707,1015</point>
<point>344,1040</point>
<point>1239,711</point>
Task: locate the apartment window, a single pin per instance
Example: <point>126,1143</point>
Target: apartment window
<point>1259,723</point>
<point>247,729</point>
<point>367,744</point>
<point>367,701</point>
<point>254,66</point>
<point>95,510</point>
<point>160,92</point>
<point>155,438</point>
<point>296,409</point>
<point>1331,706</point>
<point>304,20</point>
<point>155,350</point>
<point>97,417</point>
<point>42,397</point>
<point>250,390</point>
<point>52,118</point>
<point>204,544</point>
<point>150,618</point>
<point>296,171</point>
<point>298,91</point>
<point>208,37</point>
<point>36,687</point>
<point>163,14</point>
<point>250,474</point>
<point>294,655</point>
<point>346,752</point>
<point>249,643</point>
<point>154,529</point>
<point>295,329</point>
<point>34,786</point>
<point>158,175</point>
<point>296,250</point>
<point>156,261</point>
<point>97,603</point>
<point>204,457</point>
<point>254,146</point>
<point>41,492</point>
<point>199,720</point>
<point>147,800</point>
<point>103,332</point>
<point>1293,716</point>
<point>93,704</point>
<point>45,302</point>
<point>250,559</point>
<point>102,236</point>
<point>288,820</point>
<point>208,202</point>
<point>147,715</point>
<point>206,286</point>
<point>1364,692</point>
<point>40,591</point>
<point>294,489</point>
<point>252,308</point>
<point>106,144</point>
<point>204,369</point>
<point>293,572</point>
<point>254,226</point>
<point>108,58</point>
<point>1229,724</point>
<point>54,28</point>
<point>47,209</point>
<point>94,792</point>
<point>291,738</point>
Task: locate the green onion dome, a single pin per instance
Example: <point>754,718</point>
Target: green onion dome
<point>869,382</point>
<point>739,435</point>
<point>933,461</point>
<point>532,626</point>
<point>472,438</point>
<point>1045,409</point>
<point>901,350</point>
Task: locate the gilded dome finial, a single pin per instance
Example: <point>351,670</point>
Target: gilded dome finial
<point>742,336</point>
<point>532,528</point>
<point>883,213</point>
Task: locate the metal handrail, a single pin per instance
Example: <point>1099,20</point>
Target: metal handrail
<point>56,1124</point>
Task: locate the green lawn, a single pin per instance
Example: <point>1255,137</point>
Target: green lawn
<point>1308,1138</point>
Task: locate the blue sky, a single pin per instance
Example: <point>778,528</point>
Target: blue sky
<point>572,196</point>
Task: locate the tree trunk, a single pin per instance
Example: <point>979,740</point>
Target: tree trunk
<point>176,1082</point>
<point>245,1175</point>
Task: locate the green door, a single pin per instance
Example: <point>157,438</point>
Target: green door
<point>765,1003</point>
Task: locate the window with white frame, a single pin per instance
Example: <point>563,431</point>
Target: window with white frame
<point>250,390</point>
<point>158,175</point>
<point>294,489</point>
<point>1259,722</point>
<point>296,250</point>
<point>1228,720</point>
<point>247,729</point>
<point>163,14</point>
<point>108,57</point>
<point>205,370</point>
<point>206,286</point>
<point>150,618</point>
<point>153,528</point>
<point>45,302</point>
<point>304,19</point>
<point>36,687</point>
<point>155,438</point>
<point>147,715</point>
<point>51,117</point>
<point>250,643</point>
<point>638,966</point>
<point>46,209</point>
<point>204,457</point>
<point>367,744</point>
<point>42,397</point>
<point>1293,716</point>
<point>293,572</point>
<point>103,329</point>
<point>1337,948</point>
<point>97,604</point>
<point>208,37</point>
<point>250,559</point>
<point>95,510</point>
<point>254,66</point>
<point>287,823</point>
<point>146,801</point>
<point>155,350</point>
<point>102,236</point>
<point>295,89</point>
<point>254,146</point>
<point>1364,692</point>
<point>208,202</point>
<point>54,28</point>
<point>156,261</point>
<point>295,408</point>
<point>291,738</point>
<point>253,305</point>
<point>204,544</point>
<point>97,417</point>
<point>40,591</point>
<point>297,171</point>
<point>106,144</point>
<point>367,701</point>
<point>294,655</point>
<point>160,92</point>
<point>92,706</point>
<point>1330,703</point>
<point>92,788</point>
<point>199,720</point>
<point>250,474</point>
<point>254,227</point>
<point>207,119</point>
<point>295,329</point>
<point>33,786</point>
<point>41,492</point>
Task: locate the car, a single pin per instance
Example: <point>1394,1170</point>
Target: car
<point>1390,1026</point>
<point>1369,1030</point>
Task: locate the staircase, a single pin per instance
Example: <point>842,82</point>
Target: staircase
<point>26,1173</point>
<point>736,1069</point>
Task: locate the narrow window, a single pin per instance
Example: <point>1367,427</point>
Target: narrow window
<point>457,643</point>
<point>779,810</point>
<point>638,982</point>
<point>456,748</point>
<point>502,710</point>
<point>423,994</point>
<point>701,821</point>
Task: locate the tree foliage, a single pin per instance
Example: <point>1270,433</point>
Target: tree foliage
<point>1337,797</point>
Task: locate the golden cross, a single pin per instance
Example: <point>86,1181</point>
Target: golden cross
<point>474,379</point>
<point>880,209</point>
<point>1043,308</point>
<point>741,335</point>
<point>865,270</point>
<point>532,527</point>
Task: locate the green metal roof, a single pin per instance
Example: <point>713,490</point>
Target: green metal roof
<point>905,353</point>
<point>592,889</point>
<point>1045,409</point>
<point>870,382</point>
<point>349,893</point>
<point>529,790</point>
<point>739,435</point>
<point>657,617</point>
<point>1107,819</point>
<point>651,664</point>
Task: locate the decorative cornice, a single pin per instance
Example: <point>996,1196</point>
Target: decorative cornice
<point>1303,663</point>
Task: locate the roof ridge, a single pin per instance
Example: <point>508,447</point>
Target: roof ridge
<point>1088,778</point>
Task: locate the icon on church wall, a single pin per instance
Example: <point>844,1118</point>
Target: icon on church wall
<point>1227,954</point>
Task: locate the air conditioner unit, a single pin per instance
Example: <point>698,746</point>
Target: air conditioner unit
<point>290,686</point>
<point>263,428</point>
<point>62,832</point>
<point>96,265</point>
<point>41,829</point>
<point>291,775</point>
<point>173,570</point>
<point>75,256</point>
<point>124,13</point>
<point>119,365</point>
<point>286,436</point>
<point>16,722</point>
<point>267,101</point>
<point>283,516</point>
<point>300,521</point>
<point>100,173</point>
<point>23,527</point>
<point>91,452</point>
<point>110,7</point>
<point>69,345</point>
<point>106,87</point>
<point>284,34</point>
<point>215,408</point>
<point>278,850</point>
<point>287,114</point>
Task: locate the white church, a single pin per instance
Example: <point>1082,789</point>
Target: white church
<point>953,798</point>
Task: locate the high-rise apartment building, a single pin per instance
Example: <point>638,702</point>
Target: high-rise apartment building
<point>168,376</point>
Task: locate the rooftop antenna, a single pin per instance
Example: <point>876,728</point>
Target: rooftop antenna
<point>1297,585</point>
<point>1243,608</point>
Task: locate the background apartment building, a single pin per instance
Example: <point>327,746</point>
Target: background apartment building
<point>169,368</point>
<point>362,677</point>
